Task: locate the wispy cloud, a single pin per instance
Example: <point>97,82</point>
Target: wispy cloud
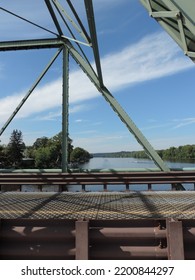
<point>56,114</point>
<point>153,57</point>
<point>184,122</point>
<point>51,116</point>
<point>79,121</point>
<point>170,124</point>
<point>157,126</point>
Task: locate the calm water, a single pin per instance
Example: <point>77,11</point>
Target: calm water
<point>120,163</point>
<point>124,163</point>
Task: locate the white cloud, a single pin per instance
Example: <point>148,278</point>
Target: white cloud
<point>51,116</point>
<point>153,57</point>
<point>77,108</point>
<point>79,121</point>
<point>184,122</point>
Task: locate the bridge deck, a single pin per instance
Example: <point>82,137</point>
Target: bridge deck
<point>99,205</point>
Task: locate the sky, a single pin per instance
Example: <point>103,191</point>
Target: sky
<point>142,66</point>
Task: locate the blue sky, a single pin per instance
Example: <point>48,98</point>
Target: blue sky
<point>142,66</point>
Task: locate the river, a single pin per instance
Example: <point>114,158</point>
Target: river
<point>130,163</point>
<point>123,163</point>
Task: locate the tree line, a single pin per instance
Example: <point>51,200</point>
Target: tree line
<point>47,153</point>
<point>181,153</point>
<point>44,153</point>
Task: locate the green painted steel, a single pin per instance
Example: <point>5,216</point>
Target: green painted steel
<point>118,109</point>
<point>187,7</point>
<point>29,93</point>
<point>81,30</point>
<point>177,17</point>
<point>92,28</point>
<point>65,106</point>
<point>53,16</point>
<point>166,12</point>
<point>30,44</point>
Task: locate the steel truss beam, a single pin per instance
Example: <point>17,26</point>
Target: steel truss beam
<point>117,108</point>
<point>175,21</point>
<point>92,28</point>
<point>30,44</point>
<point>63,14</point>
<point>53,15</point>
<point>65,107</point>
<point>62,41</point>
<point>29,93</point>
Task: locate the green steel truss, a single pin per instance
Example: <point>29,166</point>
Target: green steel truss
<point>177,17</point>
<point>71,45</point>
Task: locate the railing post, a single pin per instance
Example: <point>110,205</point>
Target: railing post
<point>40,187</point>
<point>127,188</point>
<point>82,240</point>
<point>173,187</point>
<point>175,239</point>
<point>83,187</point>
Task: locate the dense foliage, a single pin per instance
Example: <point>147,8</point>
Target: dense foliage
<point>47,152</point>
<point>44,153</point>
<point>79,155</point>
<point>12,154</point>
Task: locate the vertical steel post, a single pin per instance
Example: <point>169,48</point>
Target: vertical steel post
<point>65,97</point>
<point>127,188</point>
<point>82,240</point>
<point>175,239</point>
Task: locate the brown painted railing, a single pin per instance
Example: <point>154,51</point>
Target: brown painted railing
<point>127,179</point>
<point>97,239</point>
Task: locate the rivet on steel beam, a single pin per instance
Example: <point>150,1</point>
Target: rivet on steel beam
<point>178,15</point>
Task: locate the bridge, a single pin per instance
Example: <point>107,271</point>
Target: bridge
<point>98,225</point>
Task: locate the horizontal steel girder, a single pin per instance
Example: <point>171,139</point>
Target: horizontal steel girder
<point>31,44</point>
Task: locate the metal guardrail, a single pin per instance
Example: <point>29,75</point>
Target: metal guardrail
<point>97,239</point>
<point>110,178</point>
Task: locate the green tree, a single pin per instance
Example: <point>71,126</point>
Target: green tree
<point>43,158</point>
<point>47,152</point>
<point>79,155</point>
<point>56,141</point>
<point>15,148</point>
<point>3,157</point>
<point>41,142</point>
